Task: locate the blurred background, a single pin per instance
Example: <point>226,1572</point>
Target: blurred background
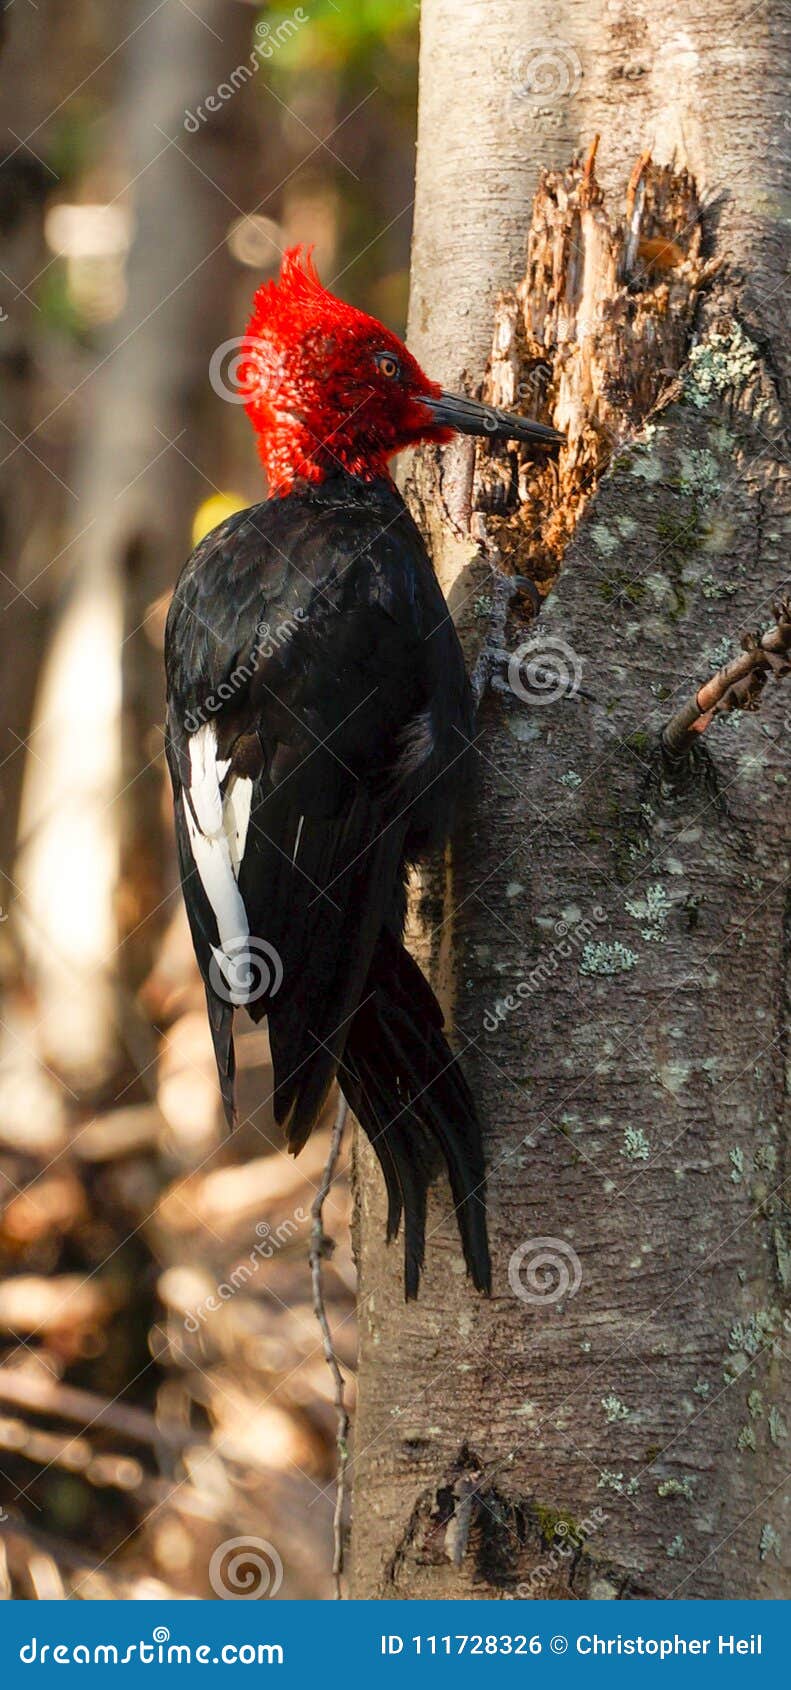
<point>162,1387</point>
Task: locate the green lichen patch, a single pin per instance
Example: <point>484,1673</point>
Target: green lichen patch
<point>635,1147</point>
<point>680,533</point>
<point>770,1542</point>
<point>606,959</point>
<point>615,1481</point>
<point>603,539</point>
<point>736,1158</point>
<point>676,1548</point>
<point>765,1158</point>
<point>712,588</point>
<point>614,1409</point>
<point>726,359</point>
<point>654,909</point>
<point>554,1522</point>
<point>778,1430</point>
<point>746,1438</point>
<point>675,1487</point>
<point>760,1331</point>
<point>782,1257</point>
<point>718,655</point>
<point>617,587</point>
<point>700,473</point>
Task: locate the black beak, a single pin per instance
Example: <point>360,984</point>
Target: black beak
<point>467,416</point>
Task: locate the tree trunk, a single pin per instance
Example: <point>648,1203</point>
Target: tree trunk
<point>96,873</point>
<point>610,935</point>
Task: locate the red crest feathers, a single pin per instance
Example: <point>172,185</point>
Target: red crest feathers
<point>282,308</point>
<point>312,387</point>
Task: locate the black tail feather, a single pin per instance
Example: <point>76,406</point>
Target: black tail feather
<point>221,1024</point>
<point>410,1096</point>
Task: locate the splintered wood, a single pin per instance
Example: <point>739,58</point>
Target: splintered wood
<point>591,341</point>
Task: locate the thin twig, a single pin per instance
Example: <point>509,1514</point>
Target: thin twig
<point>737,686</point>
<point>320,1247</point>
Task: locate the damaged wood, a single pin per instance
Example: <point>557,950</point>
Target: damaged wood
<point>592,340</point>
<point>511,1546</point>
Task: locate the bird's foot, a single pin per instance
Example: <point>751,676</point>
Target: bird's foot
<point>492,663</point>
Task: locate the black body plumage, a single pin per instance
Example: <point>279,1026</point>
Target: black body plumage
<point>309,639</point>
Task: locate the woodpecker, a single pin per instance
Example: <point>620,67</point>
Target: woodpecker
<point>319,720</point>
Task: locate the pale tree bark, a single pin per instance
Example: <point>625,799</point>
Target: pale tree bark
<point>610,934</point>
<point>37,55</point>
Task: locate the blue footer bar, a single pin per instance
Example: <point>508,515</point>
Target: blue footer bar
<point>396,1643</point>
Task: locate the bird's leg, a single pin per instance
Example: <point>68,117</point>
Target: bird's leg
<point>491,665</point>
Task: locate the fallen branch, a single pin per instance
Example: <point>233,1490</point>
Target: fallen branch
<point>737,686</point>
<point>320,1247</point>
<point>43,1395</point>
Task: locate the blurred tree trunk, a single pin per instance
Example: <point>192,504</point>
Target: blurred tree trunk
<point>146,463</point>
<point>612,1422</point>
<point>32,504</point>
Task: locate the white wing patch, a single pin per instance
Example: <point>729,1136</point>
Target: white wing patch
<point>218,834</point>
<point>236,818</point>
<point>205,780</point>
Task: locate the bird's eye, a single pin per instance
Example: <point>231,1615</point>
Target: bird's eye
<point>387,365</point>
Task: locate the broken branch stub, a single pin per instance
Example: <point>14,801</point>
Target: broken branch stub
<point>592,340</point>
<point>737,685</point>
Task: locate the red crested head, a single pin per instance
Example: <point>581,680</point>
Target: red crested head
<point>326,387</point>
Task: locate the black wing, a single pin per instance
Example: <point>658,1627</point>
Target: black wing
<point>318,717</point>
